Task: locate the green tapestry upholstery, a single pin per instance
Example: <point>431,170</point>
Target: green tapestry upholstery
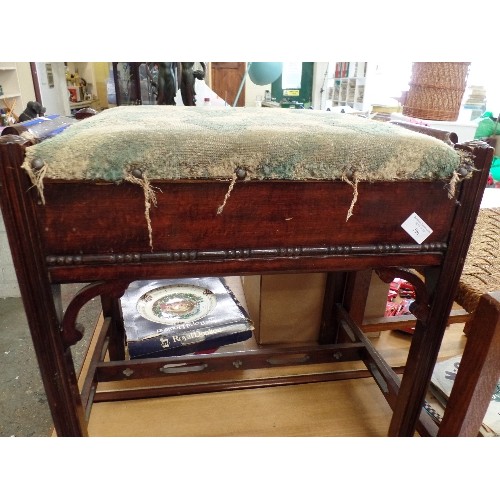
<point>179,142</point>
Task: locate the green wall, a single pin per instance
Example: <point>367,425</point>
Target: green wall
<point>306,86</point>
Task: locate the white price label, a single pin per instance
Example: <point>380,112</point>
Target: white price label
<point>416,228</point>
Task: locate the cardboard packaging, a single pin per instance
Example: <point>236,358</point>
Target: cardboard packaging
<point>182,316</point>
<point>377,298</point>
<point>286,308</point>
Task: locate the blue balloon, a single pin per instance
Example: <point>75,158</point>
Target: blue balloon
<point>264,73</point>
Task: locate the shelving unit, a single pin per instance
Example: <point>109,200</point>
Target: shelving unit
<point>83,104</point>
<point>11,90</point>
<point>95,75</point>
<point>347,85</point>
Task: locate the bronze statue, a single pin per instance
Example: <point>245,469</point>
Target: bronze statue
<point>170,76</point>
<point>188,80</point>
<point>167,83</point>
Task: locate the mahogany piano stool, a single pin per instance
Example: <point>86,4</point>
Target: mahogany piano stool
<point>94,233</point>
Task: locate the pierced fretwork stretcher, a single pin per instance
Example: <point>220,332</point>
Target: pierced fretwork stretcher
<point>254,215</point>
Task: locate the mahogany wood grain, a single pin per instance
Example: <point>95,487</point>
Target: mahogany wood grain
<point>268,214</point>
<point>299,227</point>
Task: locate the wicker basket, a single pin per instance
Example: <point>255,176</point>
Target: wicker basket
<point>436,90</point>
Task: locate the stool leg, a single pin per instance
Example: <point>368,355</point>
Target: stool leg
<point>478,373</point>
<point>111,308</point>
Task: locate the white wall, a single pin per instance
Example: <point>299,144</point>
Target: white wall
<point>253,91</point>
<point>25,83</point>
<point>54,99</point>
<point>482,72</point>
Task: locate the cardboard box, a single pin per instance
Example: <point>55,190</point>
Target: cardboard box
<point>286,308</point>
<point>377,298</point>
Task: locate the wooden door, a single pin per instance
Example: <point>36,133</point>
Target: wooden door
<point>226,80</point>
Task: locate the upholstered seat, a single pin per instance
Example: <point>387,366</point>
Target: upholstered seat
<point>199,143</point>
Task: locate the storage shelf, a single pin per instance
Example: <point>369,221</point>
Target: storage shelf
<point>9,83</point>
<point>9,96</point>
<point>346,86</point>
<point>82,104</point>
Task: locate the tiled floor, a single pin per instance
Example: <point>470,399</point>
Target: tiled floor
<point>24,410</point>
<point>23,405</point>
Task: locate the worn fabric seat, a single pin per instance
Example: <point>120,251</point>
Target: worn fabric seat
<point>169,142</point>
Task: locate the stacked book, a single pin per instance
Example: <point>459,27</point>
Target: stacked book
<point>182,316</point>
<point>442,380</point>
<point>477,95</point>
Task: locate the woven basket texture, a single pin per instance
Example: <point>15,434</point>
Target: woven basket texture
<point>481,273</point>
<point>436,90</point>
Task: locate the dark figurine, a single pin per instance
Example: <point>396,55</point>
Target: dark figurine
<point>168,81</point>
<point>167,85</point>
<point>33,110</point>
<point>188,76</point>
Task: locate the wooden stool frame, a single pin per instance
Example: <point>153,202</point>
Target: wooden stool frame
<point>95,233</point>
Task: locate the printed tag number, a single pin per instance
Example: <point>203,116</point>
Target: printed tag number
<point>416,228</point>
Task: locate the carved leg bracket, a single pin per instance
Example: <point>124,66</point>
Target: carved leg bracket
<point>71,331</point>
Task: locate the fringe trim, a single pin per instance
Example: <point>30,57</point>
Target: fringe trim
<point>37,177</point>
<point>452,185</point>
<point>464,171</point>
<point>149,198</point>
<point>228,194</point>
<point>354,186</point>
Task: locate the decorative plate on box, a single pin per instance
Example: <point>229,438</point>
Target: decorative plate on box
<point>173,304</point>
